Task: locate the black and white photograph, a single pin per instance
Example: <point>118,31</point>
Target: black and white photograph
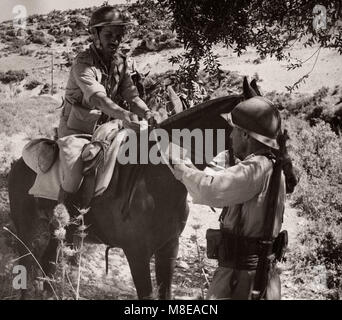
<point>184,150</point>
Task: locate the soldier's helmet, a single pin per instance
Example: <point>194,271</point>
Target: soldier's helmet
<point>108,16</point>
<point>259,118</point>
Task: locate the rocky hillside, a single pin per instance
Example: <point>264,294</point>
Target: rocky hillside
<point>64,27</point>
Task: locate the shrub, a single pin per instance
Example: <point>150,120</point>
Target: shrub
<point>26,52</point>
<point>10,33</point>
<point>16,45</point>
<point>46,89</point>
<point>40,37</point>
<point>32,84</point>
<point>13,76</point>
<point>320,152</point>
<point>317,152</point>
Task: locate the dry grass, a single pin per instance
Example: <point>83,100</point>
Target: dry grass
<point>35,116</point>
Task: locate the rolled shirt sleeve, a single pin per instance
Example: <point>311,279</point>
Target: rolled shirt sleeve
<point>234,185</point>
<point>85,78</point>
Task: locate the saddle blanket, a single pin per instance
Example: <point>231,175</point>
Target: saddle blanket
<point>66,171</point>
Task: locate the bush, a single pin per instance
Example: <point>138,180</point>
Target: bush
<point>317,152</point>
<point>13,76</point>
<point>32,84</point>
<point>40,37</point>
<point>46,89</point>
<point>26,52</point>
<point>322,105</point>
<point>16,45</point>
<point>320,152</point>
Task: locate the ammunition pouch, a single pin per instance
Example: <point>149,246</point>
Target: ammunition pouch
<point>240,252</point>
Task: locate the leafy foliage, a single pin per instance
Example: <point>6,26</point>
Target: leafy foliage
<point>317,152</point>
<point>270,26</point>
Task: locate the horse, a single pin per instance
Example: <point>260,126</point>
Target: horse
<point>144,220</point>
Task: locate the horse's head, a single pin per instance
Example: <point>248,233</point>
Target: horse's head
<point>206,124</point>
<point>210,118</point>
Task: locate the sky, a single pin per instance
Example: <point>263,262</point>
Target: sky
<point>44,6</point>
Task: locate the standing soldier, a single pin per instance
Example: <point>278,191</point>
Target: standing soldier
<point>100,79</point>
<point>245,190</point>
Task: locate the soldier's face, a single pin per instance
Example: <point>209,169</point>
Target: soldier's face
<point>239,142</point>
<point>110,38</point>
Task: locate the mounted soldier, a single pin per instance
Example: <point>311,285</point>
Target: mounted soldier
<point>252,193</point>
<point>100,79</point>
<point>99,90</point>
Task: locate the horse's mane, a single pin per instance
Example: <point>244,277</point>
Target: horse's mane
<point>214,107</point>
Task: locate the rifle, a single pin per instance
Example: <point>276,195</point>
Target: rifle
<point>266,244</point>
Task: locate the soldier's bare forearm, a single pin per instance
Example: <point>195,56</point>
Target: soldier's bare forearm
<point>106,105</point>
<point>139,107</point>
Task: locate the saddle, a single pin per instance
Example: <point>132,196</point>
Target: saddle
<point>80,165</point>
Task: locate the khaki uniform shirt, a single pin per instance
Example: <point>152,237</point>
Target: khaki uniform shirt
<point>88,76</point>
<point>243,188</point>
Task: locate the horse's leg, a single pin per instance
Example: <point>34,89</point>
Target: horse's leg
<point>48,259</point>
<point>165,264</point>
<point>139,263</point>
<point>37,242</point>
<point>31,218</point>
<point>39,238</point>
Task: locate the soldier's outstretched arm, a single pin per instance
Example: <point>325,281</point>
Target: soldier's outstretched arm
<point>107,106</point>
<point>231,186</point>
<point>139,107</point>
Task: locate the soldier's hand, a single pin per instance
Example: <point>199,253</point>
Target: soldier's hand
<point>129,122</point>
<point>150,119</point>
<point>178,170</point>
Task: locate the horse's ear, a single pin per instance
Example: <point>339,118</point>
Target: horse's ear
<point>146,74</point>
<point>255,87</point>
<point>248,91</point>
